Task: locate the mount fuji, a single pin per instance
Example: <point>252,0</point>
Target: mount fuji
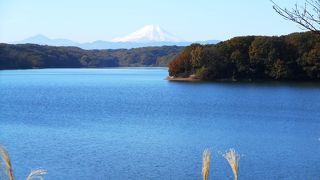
<point>149,35</point>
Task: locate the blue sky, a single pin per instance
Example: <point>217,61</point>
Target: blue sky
<point>90,20</point>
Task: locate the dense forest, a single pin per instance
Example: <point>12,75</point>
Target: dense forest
<point>26,56</point>
<point>292,57</point>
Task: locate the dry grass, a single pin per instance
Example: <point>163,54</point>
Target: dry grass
<point>206,158</point>
<point>233,159</point>
<point>231,156</point>
<point>6,163</point>
<point>37,174</point>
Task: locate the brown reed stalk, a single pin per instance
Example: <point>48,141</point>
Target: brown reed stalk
<point>206,158</point>
<point>6,162</point>
<point>233,159</point>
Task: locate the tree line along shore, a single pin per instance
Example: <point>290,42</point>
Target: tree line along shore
<point>33,56</point>
<point>293,57</point>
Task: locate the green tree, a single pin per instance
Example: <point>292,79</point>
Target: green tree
<point>196,56</point>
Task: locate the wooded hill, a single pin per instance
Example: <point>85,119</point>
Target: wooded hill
<point>26,56</point>
<point>292,57</point>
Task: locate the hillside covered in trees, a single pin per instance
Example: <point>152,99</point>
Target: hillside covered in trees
<point>291,57</point>
<point>26,56</point>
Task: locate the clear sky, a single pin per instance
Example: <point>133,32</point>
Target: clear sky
<point>86,21</point>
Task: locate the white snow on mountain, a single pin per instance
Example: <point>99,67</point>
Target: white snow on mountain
<point>148,33</point>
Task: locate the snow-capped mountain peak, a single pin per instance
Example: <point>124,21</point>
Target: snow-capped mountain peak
<point>148,33</point>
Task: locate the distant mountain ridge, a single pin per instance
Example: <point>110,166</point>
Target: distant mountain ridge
<point>147,36</point>
<point>43,40</point>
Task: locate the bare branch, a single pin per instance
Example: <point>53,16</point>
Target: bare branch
<point>307,16</point>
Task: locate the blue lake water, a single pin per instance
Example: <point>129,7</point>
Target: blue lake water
<point>132,124</point>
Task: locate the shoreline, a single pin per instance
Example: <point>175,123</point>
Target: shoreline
<point>193,79</point>
<point>186,79</point>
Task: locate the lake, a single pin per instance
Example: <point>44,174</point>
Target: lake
<point>131,123</point>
